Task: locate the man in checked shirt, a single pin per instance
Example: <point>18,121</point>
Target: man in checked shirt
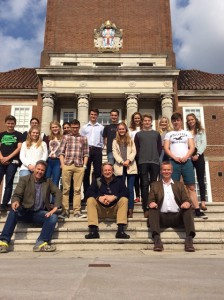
<point>74,153</point>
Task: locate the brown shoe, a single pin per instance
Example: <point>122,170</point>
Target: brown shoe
<point>146,214</point>
<point>158,245</point>
<point>130,213</point>
<point>189,244</point>
<point>203,206</point>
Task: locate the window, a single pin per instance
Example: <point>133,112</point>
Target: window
<point>199,113</point>
<point>23,115</point>
<point>67,115</point>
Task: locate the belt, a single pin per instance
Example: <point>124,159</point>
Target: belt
<point>94,147</point>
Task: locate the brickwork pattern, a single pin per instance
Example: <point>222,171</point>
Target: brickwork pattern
<point>70,26</point>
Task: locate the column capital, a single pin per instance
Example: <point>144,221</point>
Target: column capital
<point>83,95</point>
<point>166,96</point>
<point>132,96</point>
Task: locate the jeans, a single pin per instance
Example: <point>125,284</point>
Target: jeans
<point>24,173</point>
<point>130,185</point>
<point>53,171</point>
<point>110,158</point>
<point>146,170</point>
<point>9,171</point>
<point>29,216</point>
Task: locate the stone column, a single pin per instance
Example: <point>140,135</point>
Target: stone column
<point>132,105</point>
<point>47,112</point>
<point>167,105</point>
<point>83,108</point>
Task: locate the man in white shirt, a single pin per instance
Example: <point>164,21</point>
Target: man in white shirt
<point>170,206</point>
<point>94,133</point>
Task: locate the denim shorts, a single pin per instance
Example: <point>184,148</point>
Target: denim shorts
<point>185,170</point>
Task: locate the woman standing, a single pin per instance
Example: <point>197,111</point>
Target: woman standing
<point>53,162</point>
<point>164,127</point>
<point>135,126</point>
<point>32,150</point>
<point>198,160</point>
<point>124,153</point>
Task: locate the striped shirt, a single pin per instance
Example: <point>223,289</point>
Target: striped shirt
<point>74,149</point>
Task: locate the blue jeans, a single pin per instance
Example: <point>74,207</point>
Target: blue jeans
<point>29,216</point>
<point>24,173</point>
<point>110,158</point>
<point>53,171</point>
<point>9,171</point>
<point>130,186</point>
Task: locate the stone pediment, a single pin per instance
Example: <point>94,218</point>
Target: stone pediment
<point>108,38</point>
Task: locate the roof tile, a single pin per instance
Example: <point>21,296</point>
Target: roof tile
<point>23,78</point>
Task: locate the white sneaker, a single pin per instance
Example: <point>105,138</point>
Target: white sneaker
<point>80,216</point>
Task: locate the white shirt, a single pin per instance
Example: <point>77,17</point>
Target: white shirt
<point>178,142</point>
<point>94,134</point>
<point>169,203</point>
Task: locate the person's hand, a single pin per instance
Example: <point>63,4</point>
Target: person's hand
<point>126,163</point>
<point>153,205</point>
<point>178,159</point>
<point>195,157</point>
<point>15,205</point>
<point>185,205</point>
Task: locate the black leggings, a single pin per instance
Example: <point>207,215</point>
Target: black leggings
<point>199,166</point>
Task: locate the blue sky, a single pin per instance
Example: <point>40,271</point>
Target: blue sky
<point>198,33</point>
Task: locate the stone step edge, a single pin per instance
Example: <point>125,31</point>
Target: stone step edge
<point>120,241</point>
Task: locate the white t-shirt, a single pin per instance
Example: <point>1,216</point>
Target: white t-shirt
<point>178,142</point>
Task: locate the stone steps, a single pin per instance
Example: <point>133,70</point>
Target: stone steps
<point>69,234</point>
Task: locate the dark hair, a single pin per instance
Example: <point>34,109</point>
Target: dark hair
<point>95,110</point>
<point>132,123</point>
<point>66,123</point>
<point>41,162</point>
<point>38,121</point>
<point>75,122</point>
<point>10,118</point>
<point>176,116</point>
<point>114,110</point>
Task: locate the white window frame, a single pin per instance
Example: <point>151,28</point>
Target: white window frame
<point>30,108</point>
<point>186,111</point>
<point>63,110</point>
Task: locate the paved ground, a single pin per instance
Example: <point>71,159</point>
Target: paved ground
<point>130,275</point>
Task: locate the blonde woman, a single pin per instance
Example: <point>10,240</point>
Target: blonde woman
<point>164,127</point>
<point>124,153</point>
<point>32,150</point>
<point>53,162</point>
<point>198,160</point>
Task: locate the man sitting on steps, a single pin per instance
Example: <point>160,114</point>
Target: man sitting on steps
<point>107,197</point>
<point>170,206</point>
<point>31,203</point>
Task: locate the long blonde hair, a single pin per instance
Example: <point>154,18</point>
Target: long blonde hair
<point>169,127</point>
<point>126,139</point>
<point>29,141</point>
<point>57,136</point>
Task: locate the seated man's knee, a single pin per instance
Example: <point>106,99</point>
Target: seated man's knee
<point>91,201</point>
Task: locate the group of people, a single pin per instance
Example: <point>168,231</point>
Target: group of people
<point>136,154</point>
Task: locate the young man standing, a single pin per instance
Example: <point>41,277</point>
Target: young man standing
<point>179,146</point>
<point>74,152</point>
<point>94,133</point>
<point>10,144</point>
<point>109,134</point>
<point>149,146</point>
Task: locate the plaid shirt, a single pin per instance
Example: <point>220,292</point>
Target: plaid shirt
<point>74,149</point>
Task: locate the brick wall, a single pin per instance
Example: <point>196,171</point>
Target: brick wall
<point>70,26</point>
<point>217,182</point>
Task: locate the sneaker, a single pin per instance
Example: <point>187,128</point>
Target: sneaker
<point>137,200</point>
<point>44,247</point>
<point>80,216</point>
<point>3,247</point>
<point>64,214</point>
<point>201,215</point>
